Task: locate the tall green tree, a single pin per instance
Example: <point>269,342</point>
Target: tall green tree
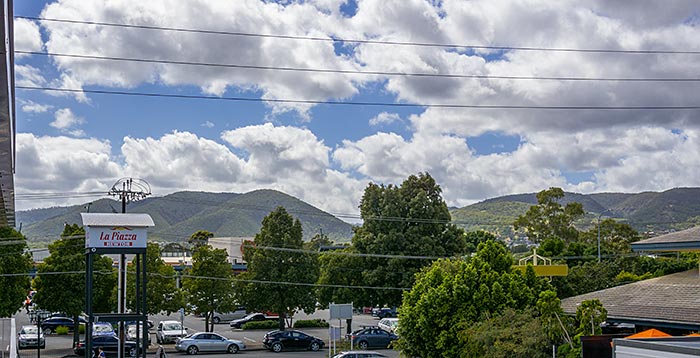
<point>208,284</point>
<point>452,295</point>
<point>411,219</point>
<point>549,219</point>
<point>162,293</point>
<point>505,335</point>
<point>200,238</point>
<point>60,281</point>
<point>267,266</point>
<point>13,260</point>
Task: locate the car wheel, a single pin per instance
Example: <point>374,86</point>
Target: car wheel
<point>132,352</point>
<point>47,330</point>
<point>217,320</point>
<point>277,347</point>
<point>233,349</point>
<point>315,346</point>
<point>192,350</point>
<point>363,345</point>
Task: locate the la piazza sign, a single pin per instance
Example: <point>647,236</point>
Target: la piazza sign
<point>116,231</point>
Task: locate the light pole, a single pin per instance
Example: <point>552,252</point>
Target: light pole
<point>599,216</point>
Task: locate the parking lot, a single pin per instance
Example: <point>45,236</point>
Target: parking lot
<point>60,345</point>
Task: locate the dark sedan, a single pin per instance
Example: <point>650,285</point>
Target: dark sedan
<point>253,317</point>
<point>278,341</point>
<point>49,325</point>
<point>372,337</point>
<point>109,345</point>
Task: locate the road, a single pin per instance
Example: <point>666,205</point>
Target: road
<point>60,346</point>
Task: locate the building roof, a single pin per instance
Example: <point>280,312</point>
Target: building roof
<point>686,240</point>
<point>667,301</point>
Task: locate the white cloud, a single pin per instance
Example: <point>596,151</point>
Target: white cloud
<point>27,36</point>
<point>208,124</point>
<point>29,106</point>
<point>29,76</point>
<point>384,118</point>
<point>65,119</point>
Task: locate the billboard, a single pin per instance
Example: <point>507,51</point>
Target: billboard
<point>115,237</point>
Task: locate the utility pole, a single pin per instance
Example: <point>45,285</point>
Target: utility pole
<point>127,190</point>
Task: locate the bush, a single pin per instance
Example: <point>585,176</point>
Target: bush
<point>261,325</point>
<point>62,330</point>
<point>81,329</point>
<point>306,323</point>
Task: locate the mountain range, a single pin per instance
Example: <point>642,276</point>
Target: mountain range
<point>180,214</point>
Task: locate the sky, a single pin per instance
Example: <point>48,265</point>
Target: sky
<point>326,154</point>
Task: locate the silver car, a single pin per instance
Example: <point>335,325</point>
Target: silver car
<point>219,317</point>
<point>208,342</point>
<point>30,336</point>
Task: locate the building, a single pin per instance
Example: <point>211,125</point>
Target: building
<point>7,118</point>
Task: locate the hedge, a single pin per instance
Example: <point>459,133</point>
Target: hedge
<point>61,330</point>
<point>261,325</point>
<point>306,323</point>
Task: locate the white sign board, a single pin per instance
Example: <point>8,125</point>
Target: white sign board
<point>115,237</point>
<point>341,311</point>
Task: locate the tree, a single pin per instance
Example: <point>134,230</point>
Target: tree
<point>208,284</point>
<point>615,237</point>
<point>590,314</point>
<point>278,280</point>
<point>60,281</point>
<point>13,260</point>
<point>509,334</point>
<point>548,219</point>
<point>474,238</point>
<point>410,219</point>
<point>162,294</point>
<point>554,323</point>
<point>200,238</point>
<point>454,294</point>
<point>317,241</point>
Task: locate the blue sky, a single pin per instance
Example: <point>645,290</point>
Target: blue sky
<point>326,154</point>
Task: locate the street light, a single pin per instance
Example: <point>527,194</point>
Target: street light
<point>599,216</point>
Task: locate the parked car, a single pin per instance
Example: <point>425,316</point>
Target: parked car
<point>49,325</point>
<point>384,312</point>
<point>102,329</point>
<point>131,334</point>
<point>372,337</point>
<point>277,341</point>
<point>208,342</point>
<point>109,344</point>
<point>30,337</point>
<point>253,317</point>
<point>170,331</point>
<point>389,324</point>
<point>229,316</point>
<point>358,354</point>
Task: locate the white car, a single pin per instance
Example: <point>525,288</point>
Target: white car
<point>229,316</point>
<point>30,337</point>
<point>170,332</point>
<point>389,324</point>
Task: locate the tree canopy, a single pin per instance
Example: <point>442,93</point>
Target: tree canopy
<point>268,266</point>
<point>162,294</point>
<point>13,260</point>
<point>453,294</point>
<point>407,220</point>
<point>549,219</point>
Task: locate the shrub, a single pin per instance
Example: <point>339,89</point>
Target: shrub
<point>81,329</point>
<point>62,330</point>
<point>261,325</point>
<point>306,323</point>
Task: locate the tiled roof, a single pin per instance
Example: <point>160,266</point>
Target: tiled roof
<point>676,241</point>
<point>672,298</point>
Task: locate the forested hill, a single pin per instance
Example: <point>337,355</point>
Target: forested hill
<point>677,208</point>
<point>180,214</point>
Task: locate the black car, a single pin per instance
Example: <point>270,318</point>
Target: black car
<point>384,312</point>
<point>372,337</point>
<point>253,317</point>
<point>277,341</point>
<point>109,344</point>
<point>49,325</point>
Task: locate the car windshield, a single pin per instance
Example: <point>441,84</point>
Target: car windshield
<point>103,328</point>
<point>251,315</point>
<point>29,330</point>
<point>172,326</point>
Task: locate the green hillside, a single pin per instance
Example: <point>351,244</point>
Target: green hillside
<point>492,216</point>
<point>180,214</point>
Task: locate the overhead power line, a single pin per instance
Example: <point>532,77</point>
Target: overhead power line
<point>359,103</point>
<point>363,41</point>
<point>358,72</point>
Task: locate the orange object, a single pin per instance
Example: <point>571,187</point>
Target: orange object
<point>649,333</point>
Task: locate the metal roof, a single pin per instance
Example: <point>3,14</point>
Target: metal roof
<point>670,301</point>
<point>7,117</point>
<point>686,240</point>
<point>102,219</point>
